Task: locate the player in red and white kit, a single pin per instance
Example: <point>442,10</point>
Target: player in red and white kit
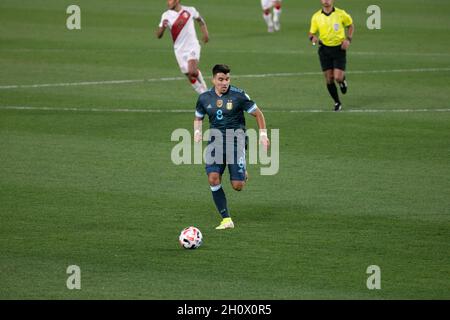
<point>272,21</point>
<point>180,20</point>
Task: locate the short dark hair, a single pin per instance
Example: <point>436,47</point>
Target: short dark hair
<point>221,68</point>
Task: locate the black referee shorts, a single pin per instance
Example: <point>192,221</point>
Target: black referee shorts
<point>332,57</point>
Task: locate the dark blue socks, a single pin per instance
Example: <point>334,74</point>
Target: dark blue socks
<point>220,200</point>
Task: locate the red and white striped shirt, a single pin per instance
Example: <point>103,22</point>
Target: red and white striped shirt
<point>181,25</point>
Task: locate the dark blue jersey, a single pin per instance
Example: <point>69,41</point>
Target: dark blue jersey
<point>226,111</point>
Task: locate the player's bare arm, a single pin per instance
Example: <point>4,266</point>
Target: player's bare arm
<point>348,40</point>
<point>313,38</point>
<point>198,122</point>
<point>160,31</point>
<point>261,121</point>
<point>203,28</point>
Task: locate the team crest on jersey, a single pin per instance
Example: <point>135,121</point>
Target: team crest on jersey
<point>185,15</point>
<point>336,26</point>
<point>219,103</point>
<point>230,104</point>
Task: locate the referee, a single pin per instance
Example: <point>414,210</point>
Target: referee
<point>331,24</point>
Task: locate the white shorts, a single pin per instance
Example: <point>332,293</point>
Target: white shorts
<point>184,55</point>
<point>267,4</point>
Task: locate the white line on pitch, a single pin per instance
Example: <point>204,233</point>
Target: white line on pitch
<point>168,110</point>
<point>263,75</point>
<point>236,51</point>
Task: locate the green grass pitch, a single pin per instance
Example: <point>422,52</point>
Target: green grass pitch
<point>83,185</point>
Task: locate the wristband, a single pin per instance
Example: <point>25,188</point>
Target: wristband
<point>349,39</point>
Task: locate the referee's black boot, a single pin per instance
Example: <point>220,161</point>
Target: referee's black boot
<point>343,86</point>
<point>337,106</point>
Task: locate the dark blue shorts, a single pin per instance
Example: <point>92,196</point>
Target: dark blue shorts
<point>237,173</point>
<point>234,159</point>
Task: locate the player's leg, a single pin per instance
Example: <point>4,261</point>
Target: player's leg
<point>267,14</point>
<point>220,200</point>
<point>340,62</point>
<point>326,63</point>
<point>215,183</point>
<point>276,15</point>
<point>238,175</point>
<point>195,77</point>
<point>339,75</point>
<point>237,182</point>
<point>237,185</point>
<point>215,172</point>
<point>188,63</point>
<point>237,169</point>
<point>332,89</point>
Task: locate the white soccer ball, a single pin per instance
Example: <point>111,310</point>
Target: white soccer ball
<point>191,238</point>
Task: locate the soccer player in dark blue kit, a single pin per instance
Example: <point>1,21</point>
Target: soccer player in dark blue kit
<point>225,106</point>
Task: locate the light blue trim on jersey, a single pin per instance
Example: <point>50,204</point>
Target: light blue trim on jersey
<point>215,188</point>
<point>253,108</point>
<point>198,114</point>
<point>234,89</point>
